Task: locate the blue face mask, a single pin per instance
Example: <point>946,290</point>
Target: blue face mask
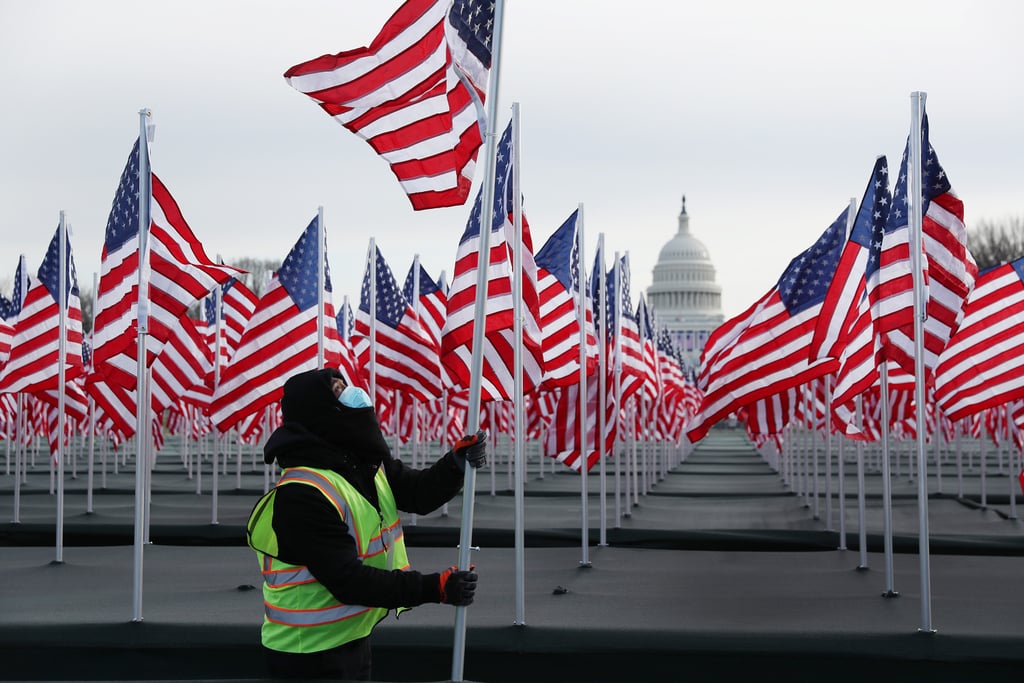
<point>354,397</point>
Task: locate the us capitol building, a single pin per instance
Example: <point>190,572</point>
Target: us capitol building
<point>684,295</point>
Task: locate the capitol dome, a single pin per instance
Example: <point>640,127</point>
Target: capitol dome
<point>684,295</point>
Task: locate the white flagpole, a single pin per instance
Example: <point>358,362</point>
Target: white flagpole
<point>92,421</point>
<point>415,303</point>
<point>480,313</point>
<point>917,109</point>
<point>841,475</point>
<point>62,355</point>
<point>619,446</point>
<point>862,541</point>
<point>813,450</point>
<point>581,319</point>
<point>890,592</point>
<point>371,264</point>
<point>602,385</point>
<point>828,452</point>
<point>217,436</point>
<point>517,372</point>
<point>20,465</point>
<point>1010,456</point>
<point>321,258</point>
<point>141,408</point>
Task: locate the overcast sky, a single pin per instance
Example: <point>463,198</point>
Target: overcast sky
<point>767,116</point>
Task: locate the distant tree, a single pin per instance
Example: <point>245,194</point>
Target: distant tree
<point>86,298</point>
<point>993,243</point>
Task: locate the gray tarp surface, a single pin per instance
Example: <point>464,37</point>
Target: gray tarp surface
<point>720,571</point>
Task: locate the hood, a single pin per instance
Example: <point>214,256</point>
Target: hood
<point>317,431</point>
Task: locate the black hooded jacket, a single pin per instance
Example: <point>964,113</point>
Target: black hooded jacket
<point>319,432</point>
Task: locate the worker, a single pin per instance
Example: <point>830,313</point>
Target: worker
<point>328,536</point>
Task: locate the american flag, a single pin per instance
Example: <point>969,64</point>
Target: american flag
<point>12,307</point>
<point>558,283</point>
<point>6,337</point>
<point>184,365</point>
<point>179,273</point>
<point>76,406</point>
<point>498,353</point>
<point>770,355</point>
<point>406,357</point>
<point>431,304</point>
<point>403,94</point>
<point>115,407</point>
<point>280,338</point>
<point>33,363</point>
<point>651,385</point>
<point>470,29</point>
<point>858,346</point>
<point>724,337</point>
<point>673,381</point>
<point>948,268</point>
<point>624,341</point>
<point>672,409</point>
<point>237,303</point>
<point>430,301</point>
<point>983,365</point>
<point>839,310</point>
<point>563,434</point>
<point>770,415</point>
<point>21,282</point>
<point>348,364</point>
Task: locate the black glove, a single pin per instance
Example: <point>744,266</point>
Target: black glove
<point>471,449</point>
<point>457,587</point>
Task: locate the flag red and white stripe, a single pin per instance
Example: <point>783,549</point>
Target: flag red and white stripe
<point>403,95</point>
<point>178,274</point>
<point>983,365</point>
<point>406,357</point>
<point>499,343</point>
<point>281,338</point>
<point>33,360</point>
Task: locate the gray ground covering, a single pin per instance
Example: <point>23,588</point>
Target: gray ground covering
<point>721,569</point>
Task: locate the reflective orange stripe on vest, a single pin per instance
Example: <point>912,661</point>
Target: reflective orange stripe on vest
<point>313,617</point>
<point>284,577</point>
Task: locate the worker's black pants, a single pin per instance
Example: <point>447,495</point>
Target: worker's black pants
<point>349,662</point>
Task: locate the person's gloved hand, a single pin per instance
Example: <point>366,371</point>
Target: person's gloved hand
<point>472,449</point>
<point>457,587</point>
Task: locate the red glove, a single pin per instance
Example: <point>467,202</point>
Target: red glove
<point>457,587</point>
<point>472,448</point>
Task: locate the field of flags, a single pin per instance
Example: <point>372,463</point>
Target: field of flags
<point>881,329</point>
<point>833,345</point>
<point>224,371</point>
<point>834,342</point>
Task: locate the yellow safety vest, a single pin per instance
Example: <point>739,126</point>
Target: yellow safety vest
<point>301,615</point>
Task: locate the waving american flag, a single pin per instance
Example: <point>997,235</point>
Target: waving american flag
<point>281,338</point>
<point>770,353</point>
<point>406,356</point>
<point>35,344</point>
<point>415,94</point>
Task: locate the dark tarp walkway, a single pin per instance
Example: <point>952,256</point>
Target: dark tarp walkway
<point>721,571</point>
